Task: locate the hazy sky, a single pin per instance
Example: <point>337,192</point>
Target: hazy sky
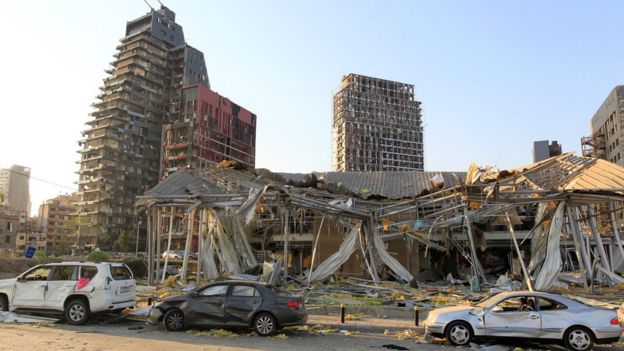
<point>493,76</point>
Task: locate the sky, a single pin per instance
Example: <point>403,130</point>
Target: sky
<point>493,76</point>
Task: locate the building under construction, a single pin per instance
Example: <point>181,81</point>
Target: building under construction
<point>120,149</point>
<point>209,129</point>
<point>377,126</point>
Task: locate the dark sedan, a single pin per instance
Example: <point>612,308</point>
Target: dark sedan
<point>260,306</point>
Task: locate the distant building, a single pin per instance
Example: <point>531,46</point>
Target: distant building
<point>30,236</point>
<point>17,232</point>
<point>606,129</point>
<point>15,188</point>
<point>543,150</point>
<point>58,221</point>
<point>209,129</point>
<point>377,126</point>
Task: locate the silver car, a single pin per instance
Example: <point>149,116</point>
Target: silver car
<point>577,322</point>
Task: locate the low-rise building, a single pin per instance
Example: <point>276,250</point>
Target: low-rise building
<point>58,221</point>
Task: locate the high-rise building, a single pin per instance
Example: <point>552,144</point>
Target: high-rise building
<point>15,188</point>
<point>377,126</point>
<point>209,129</point>
<point>606,129</point>
<point>543,150</point>
<point>58,222</point>
<point>120,154</point>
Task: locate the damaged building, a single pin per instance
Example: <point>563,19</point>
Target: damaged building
<point>209,129</point>
<point>558,219</point>
<point>377,126</point>
<point>156,81</point>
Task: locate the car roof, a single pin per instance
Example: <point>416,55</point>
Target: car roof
<point>529,293</point>
<point>79,263</point>
<point>251,282</point>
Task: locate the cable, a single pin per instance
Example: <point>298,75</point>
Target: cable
<point>39,179</point>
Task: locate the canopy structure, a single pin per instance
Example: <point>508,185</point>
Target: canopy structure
<point>235,218</point>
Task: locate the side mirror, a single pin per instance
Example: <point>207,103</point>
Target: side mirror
<point>108,280</point>
<point>496,309</point>
<point>194,294</point>
<point>21,279</point>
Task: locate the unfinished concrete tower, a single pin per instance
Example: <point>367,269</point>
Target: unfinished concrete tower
<point>377,126</point>
<point>120,154</point>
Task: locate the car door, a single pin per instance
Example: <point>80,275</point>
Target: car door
<point>555,318</point>
<point>61,283</point>
<point>30,288</point>
<point>122,283</point>
<point>241,304</point>
<point>513,317</point>
<point>206,306</point>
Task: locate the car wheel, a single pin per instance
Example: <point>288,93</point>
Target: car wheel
<point>578,339</point>
<point>458,333</point>
<point>76,312</point>
<point>174,320</point>
<point>265,324</point>
<point>4,303</point>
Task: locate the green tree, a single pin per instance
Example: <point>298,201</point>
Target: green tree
<point>125,242</point>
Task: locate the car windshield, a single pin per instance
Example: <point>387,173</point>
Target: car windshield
<point>487,301</point>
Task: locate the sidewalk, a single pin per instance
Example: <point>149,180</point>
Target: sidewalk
<point>369,325</point>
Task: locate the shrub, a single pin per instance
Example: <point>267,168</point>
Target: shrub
<point>97,256</point>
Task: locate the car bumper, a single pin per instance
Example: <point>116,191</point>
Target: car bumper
<point>298,318</point>
<point>155,316</point>
<point>607,336</point>
<point>436,330</point>
<point>608,340</point>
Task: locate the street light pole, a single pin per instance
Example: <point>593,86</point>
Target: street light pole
<point>136,249</point>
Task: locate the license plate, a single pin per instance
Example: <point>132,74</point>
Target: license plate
<point>125,289</point>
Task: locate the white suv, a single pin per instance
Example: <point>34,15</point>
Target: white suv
<point>75,288</point>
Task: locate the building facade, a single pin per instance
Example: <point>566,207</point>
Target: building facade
<point>377,126</point>
<point>58,221</point>
<point>30,236</point>
<point>15,188</point>
<point>120,149</point>
<point>542,150</point>
<point>606,129</point>
<point>209,129</point>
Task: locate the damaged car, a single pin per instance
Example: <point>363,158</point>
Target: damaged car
<point>76,289</point>
<point>575,322</point>
<point>248,304</point>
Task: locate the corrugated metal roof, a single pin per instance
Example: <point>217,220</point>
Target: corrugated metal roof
<point>184,182</point>
<point>601,175</point>
<point>386,184</point>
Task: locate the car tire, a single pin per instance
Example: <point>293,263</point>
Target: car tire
<point>174,320</point>
<point>76,312</point>
<point>265,324</point>
<point>578,338</point>
<point>4,303</point>
<point>459,333</point>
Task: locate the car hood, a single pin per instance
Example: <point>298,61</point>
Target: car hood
<point>454,310</point>
<point>7,282</point>
<point>175,299</point>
